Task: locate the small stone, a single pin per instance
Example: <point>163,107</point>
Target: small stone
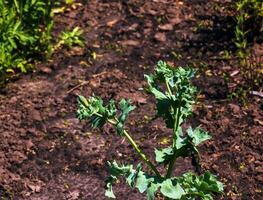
<point>45,70</point>
<point>34,188</point>
<point>35,114</point>
<point>130,43</point>
<point>234,108</point>
<point>161,37</point>
<point>166,27</point>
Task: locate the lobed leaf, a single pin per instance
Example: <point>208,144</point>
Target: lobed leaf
<point>164,155</point>
<point>172,189</point>
<point>187,186</point>
<point>200,186</point>
<point>126,108</point>
<point>198,135</point>
<point>94,110</point>
<point>180,93</point>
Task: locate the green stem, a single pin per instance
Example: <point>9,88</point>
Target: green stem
<point>168,88</point>
<point>140,152</point>
<point>137,148</point>
<point>174,157</point>
<point>171,166</point>
<point>176,122</point>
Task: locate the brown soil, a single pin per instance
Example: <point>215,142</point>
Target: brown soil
<point>46,153</point>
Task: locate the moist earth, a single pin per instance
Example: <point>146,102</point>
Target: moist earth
<point>47,153</point>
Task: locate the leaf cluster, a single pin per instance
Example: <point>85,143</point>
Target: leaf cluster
<point>184,147</point>
<point>249,18</point>
<point>179,94</point>
<point>186,187</point>
<point>71,38</point>
<point>25,28</point>
<point>26,33</point>
<point>98,114</point>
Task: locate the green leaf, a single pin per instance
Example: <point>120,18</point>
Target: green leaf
<point>164,155</point>
<point>211,183</point>
<point>151,190</point>
<point>207,197</point>
<point>142,182</point>
<point>163,71</point>
<point>180,142</point>
<point>133,176</point>
<point>172,189</point>
<point>153,87</point>
<point>94,110</point>
<point>108,190</point>
<point>126,108</point>
<point>115,172</point>
<point>198,135</point>
<point>200,186</point>
<point>179,95</point>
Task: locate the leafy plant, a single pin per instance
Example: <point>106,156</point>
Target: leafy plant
<point>69,1</point>
<point>174,106</point>
<point>249,18</point>
<point>25,31</point>
<point>71,38</point>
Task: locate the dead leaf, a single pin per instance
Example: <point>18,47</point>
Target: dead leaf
<point>234,73</point>
<point>35,114</point>
<point>76,51</point>
<point>234,108</point>
<point>45,69</point>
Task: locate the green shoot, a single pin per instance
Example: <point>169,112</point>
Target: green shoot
<point>71,38</point>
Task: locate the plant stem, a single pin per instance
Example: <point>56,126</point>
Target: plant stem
<point>168,88</point>
<point>133,143</point>
<point>176,122</point>
<point>174,157</point>
<point>143,156</point>
<point>137,148</point>
<point>171,166</point>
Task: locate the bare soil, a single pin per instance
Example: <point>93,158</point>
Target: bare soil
<point>46,153</point>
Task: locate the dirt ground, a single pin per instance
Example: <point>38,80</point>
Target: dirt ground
<point>46,153</point>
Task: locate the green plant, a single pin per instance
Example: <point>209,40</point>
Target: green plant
<point>240,36</point>
<point>25,31</point>
<point>69,1</point>
<point>173,105</point>
<point>249,18</point>
<point>71,38</point>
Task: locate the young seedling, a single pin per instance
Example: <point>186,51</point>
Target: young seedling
<point>174,105</point>
<point>71,38</point>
